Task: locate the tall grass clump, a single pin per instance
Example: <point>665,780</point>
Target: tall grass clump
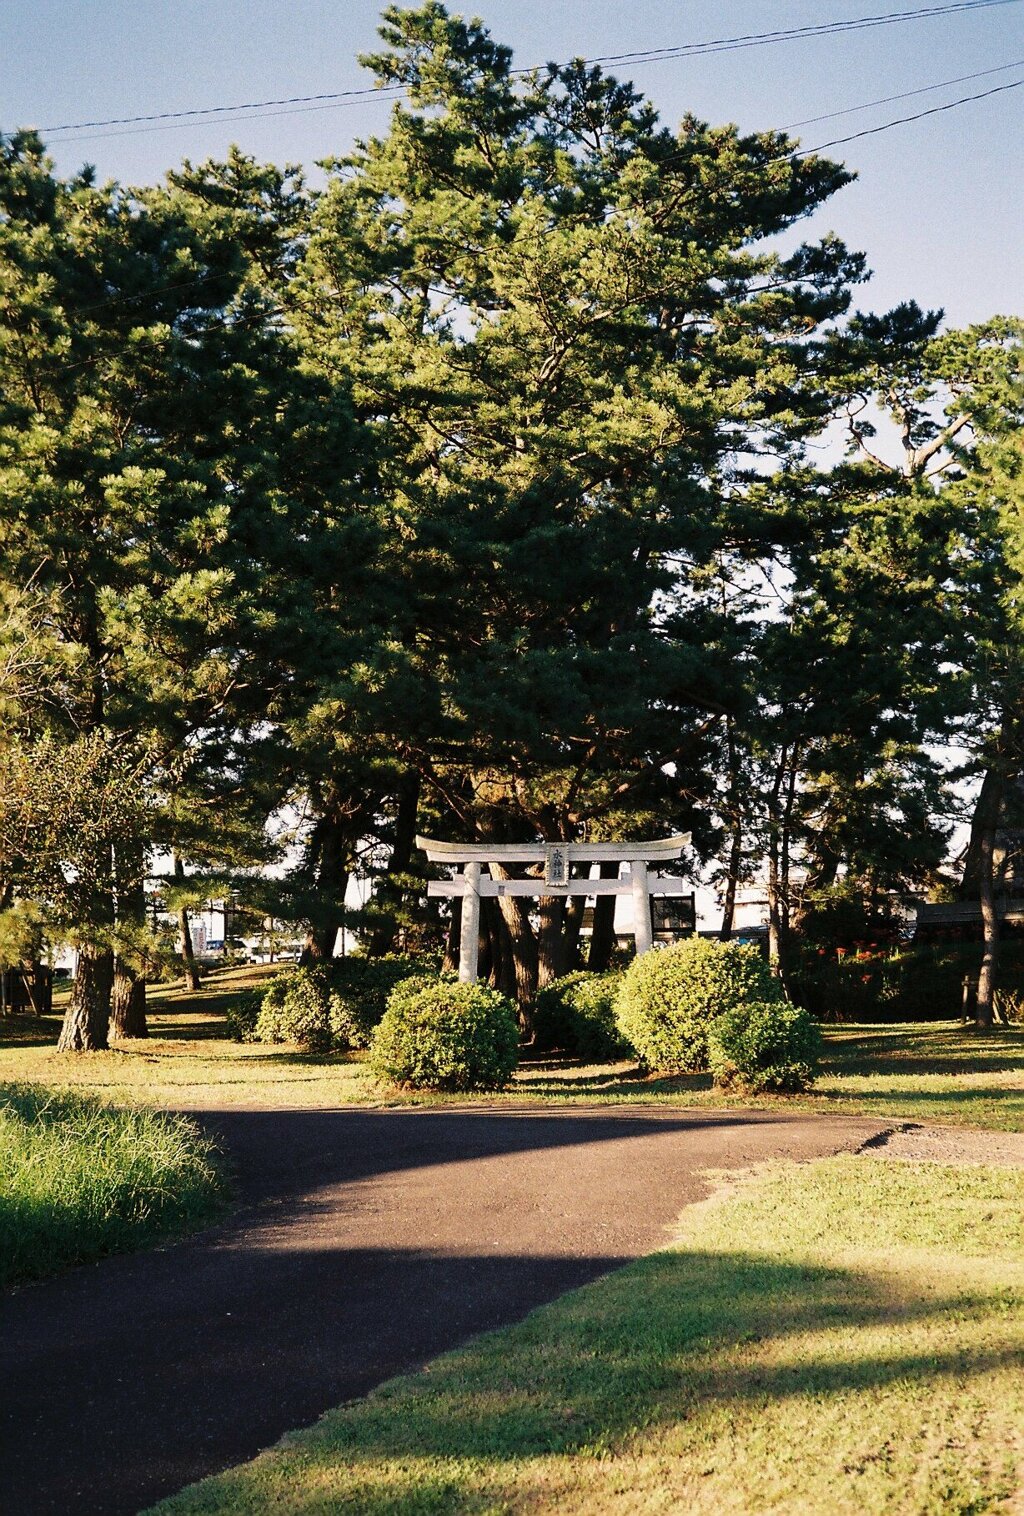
<point>79,1179</point>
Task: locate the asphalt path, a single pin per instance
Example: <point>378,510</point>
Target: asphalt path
<point>365,1243</point>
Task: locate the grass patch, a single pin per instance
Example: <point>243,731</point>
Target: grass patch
<point>844,1336</point>
<point>79,1179</point>
<point>926,1071</point>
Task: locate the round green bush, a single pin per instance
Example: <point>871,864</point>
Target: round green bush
<point>771,1046</point>
<point>446,1036</point>
<point>243,1014</point>
<point>671,997</point>
<point>359,993</point>
<point>554,1021</point>
<point>296,1008</point>
<point>325,1007</point>
<point>577,1014</point>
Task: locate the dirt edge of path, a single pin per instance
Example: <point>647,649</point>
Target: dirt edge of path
<point>910,1142</point>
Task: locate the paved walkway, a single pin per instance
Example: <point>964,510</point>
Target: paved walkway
<point>366,1243</point>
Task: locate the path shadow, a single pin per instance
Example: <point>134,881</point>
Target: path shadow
<point>278,1153</point>
<point>147,1371</point>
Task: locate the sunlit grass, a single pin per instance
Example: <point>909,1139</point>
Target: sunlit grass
<point>925,1072</point>
<point>79,1179</point>
<point>845,1336</point>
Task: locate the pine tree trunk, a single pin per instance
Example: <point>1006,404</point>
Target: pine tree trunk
<point>550,939</point>
<point>32,979</point>
<point>186,952</point>
<point>779,835</point>
<point>983,831</point>
<point>128,998</point>
<point>987,809</point>
<point>775,935</point>
<point>602,938</point>
<point>732,880</point>
<point>506,981</point>
<point>87,1019</point>
<point>190,969</point>
<point>389,894</point>
<point>574,908</point>
<point>331,845</point>
<point>128,1003</point>
<point>736,836</point>
<point>488,952</point>
<point>524,949</point>
<point>453,941</point>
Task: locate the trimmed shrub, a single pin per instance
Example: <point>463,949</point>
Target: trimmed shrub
<point>243,1014</point>
<point>671,997</point>
<point>771,1046</point>
<point>296,1008</point>
<point>577,1015</point>
<point>444,1035</point>
<point>359,993</point>
<point>554,1021</point>
<point>323,1008</point>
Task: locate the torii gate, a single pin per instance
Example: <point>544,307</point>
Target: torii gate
<point>557,857</point>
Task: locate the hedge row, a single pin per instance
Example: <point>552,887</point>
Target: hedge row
<point>695,1006</point>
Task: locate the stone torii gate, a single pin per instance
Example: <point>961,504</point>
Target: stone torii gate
<point>473,884</point>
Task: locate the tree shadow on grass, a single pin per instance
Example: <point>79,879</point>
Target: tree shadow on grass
<point>555,1074</point>
<point>673,1340</point>
<point>28,1031</point>
<point>998,1099</point>
<point>927,1050</point>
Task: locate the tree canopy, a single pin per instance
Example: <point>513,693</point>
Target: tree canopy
<point>475,488</point>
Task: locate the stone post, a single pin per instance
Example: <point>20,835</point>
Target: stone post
<point>641,907</point>
<point>469,943</point>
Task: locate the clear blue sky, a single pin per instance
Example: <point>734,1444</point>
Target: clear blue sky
<point>938,207</point>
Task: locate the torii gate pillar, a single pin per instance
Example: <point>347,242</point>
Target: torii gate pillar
<point>643,934</point>
<point>469,936</point>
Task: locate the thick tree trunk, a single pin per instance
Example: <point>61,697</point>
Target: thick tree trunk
<point>550,939</point>
<point>87,1019</point>
<point>190,969</point>
<point>389,893</point>
<point>524,949</point>
<point>983,836</point>
<point>330,844</point>
<point>602,939</point>
<point>128,1002</point>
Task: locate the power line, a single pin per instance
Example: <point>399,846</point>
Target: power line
<point>279,310</point>
<point>203,279</point>
<point>674,157</point>
<point>164,120</point>
<point>906,94</point>
<point>935,110</point>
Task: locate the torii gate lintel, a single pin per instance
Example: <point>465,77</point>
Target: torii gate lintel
<point>558,857</point>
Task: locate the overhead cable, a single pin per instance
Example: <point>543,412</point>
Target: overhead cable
<point>165,120</point>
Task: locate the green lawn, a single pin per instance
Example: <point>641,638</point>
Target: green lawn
<point>932,1071</point>
<point>845,1336</point>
